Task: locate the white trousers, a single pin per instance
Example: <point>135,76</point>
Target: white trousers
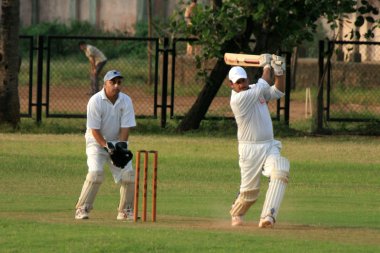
<point>97,157</point>
<point>253,159</point>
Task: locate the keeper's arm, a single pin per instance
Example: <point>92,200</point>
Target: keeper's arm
<point>124,134</point>
<point>99,137</point>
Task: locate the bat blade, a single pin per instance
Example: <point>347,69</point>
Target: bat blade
<point>249,60</point>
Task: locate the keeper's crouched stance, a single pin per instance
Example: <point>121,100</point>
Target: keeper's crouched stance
<point>110,116</point>
<point>125,177</point>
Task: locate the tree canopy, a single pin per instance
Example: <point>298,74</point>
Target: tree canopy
<point>228,26</point>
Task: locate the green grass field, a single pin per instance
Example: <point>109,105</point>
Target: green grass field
<point>331,203</point>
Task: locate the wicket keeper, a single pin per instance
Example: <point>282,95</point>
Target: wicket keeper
<point>110,116</point>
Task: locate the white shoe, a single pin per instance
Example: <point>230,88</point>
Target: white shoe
<point>126,214</point>
<point>81,214</point>
<point>236,221</point>
<point>267,222</point>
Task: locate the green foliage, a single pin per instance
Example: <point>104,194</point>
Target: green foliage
<point>65,47</point>
<point>278,24</point>
<point>309,47</point>
<point>365,13</point>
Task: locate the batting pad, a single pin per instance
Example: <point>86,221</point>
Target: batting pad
<point>276,190</point>
<point>89,190</point>
<point>127,189</point>
<point>243,202</point>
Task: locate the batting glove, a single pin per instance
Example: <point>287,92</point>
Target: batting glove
<point>278,65</point>
<point>265,59</point>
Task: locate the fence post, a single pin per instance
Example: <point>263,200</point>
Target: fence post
<point>320,87</point>
<point>40,49</point>
<point>164,94</point>
<point>287,88</point>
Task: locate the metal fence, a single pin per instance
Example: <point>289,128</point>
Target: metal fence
<point>158,77</point>
<point>64,76</point>
<point>352,81</point>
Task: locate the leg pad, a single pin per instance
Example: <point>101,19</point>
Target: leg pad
<point>127,190</point>
<point>243,202</point>
<point>276,190</point>
<point>89,190</point>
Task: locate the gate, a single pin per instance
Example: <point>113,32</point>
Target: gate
<point>352,81</point>
<point>68,80</point>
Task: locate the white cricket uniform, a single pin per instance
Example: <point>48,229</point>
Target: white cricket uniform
<point>109,118</point>
<point>255,131</point>
<point>92,51</point>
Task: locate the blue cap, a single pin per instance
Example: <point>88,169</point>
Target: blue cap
<point>112,74</point>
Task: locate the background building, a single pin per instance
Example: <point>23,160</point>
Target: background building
<point>109,15</point>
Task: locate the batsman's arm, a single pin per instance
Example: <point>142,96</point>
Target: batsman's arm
<point>266,73</point>
<point>279,82</point>
<point>279,67</point>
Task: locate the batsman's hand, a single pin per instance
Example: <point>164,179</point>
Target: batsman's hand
<point>109,147</point>
<point>265,59</point>
<point>121,155</point>
<point>278,65</point>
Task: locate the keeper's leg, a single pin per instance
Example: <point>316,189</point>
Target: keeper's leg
<point>277,185</point>
<point>87,197</point>
<point>127,193</point>
<point>241,205</point>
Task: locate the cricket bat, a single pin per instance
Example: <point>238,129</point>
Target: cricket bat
<point>248,60</point>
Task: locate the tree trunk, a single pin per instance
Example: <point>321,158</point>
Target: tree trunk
<point>214,81</point>
<point>199,109</point>
<point>9,62</point>
<point>293,68</point>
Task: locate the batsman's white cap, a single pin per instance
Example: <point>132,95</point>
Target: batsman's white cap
<point>237,73</point>
<point>112,74</point>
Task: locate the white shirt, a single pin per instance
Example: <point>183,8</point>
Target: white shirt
<point>92,51</point>
<point>108,117</point>
<point>251,111</point>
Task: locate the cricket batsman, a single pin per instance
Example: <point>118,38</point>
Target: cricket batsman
<point>259,152</point>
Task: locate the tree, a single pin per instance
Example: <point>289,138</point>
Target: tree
<point>227,26</point>
<point>9,62</point>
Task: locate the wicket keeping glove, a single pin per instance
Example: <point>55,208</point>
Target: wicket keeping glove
<point>121,155</point>
<point>110,148</point>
